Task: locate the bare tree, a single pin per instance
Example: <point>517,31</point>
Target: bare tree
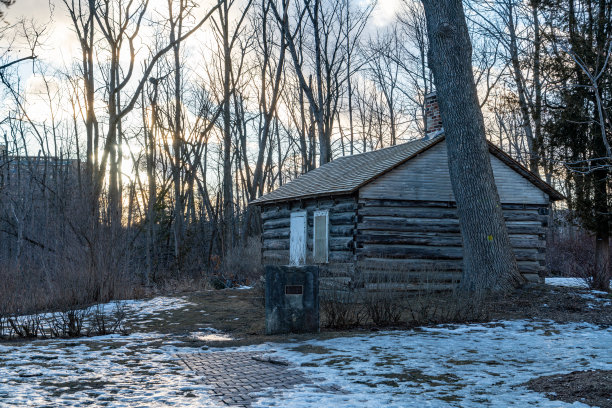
<point>488,260</point>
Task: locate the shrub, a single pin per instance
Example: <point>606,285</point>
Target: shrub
<point>393,299</point>
<point>384,297</point>
<point>573,255</point>
<point>240,266</point>
<point>341,307</point>
<point>102,323</point>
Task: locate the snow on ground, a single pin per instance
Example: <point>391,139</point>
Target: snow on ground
<point>148,307</point>
<point>118,371</point>
<point>596,296</point>
<point>478,365</point>
<point>570,283</point>
<point>146,312</point>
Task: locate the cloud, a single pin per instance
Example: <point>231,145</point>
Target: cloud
<point>385,12</point>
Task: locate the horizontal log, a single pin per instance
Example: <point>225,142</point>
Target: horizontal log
<point>527,241</point>
<point>432,267</point>
<point>275,213</point>
<point>408,238</point>
<point>408,276</point>
<point>526,267</point>
<point>408,212</point>
<point>526,254</point>
<point>338,269</point>
<point>408,226</point>
<point>341,218</point>
<point>276,223</point>
<point>340,203</point>
<point>523,206</point>
<point>404,265</point>
<point>341,230</point>
<point>434,221</point>
<point>430,252</point>
<point>335,282</point>
<point>341,256</point>
<point>436,239</point>
<point>401,287</point>
<point>409,251</point>
<point>275,233</point>
<point>281,210</point>
<point>347,205</point>
<point>537,230</point>
<point>448,226</point>
<point>366,202</point>
<point>275,256</point>
<point>368,213</point>
<point>524,215</point>
<point>341,244</point>
<point>533,277</point>
<point>276,244</point>
<point>407,221</point>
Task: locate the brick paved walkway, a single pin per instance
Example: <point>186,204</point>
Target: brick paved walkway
<point>235,377</point>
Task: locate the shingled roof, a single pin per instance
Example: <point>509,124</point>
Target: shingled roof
<point>347,174</point>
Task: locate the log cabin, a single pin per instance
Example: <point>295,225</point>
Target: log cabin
<point>393,210</point>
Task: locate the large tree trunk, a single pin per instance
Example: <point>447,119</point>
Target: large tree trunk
<point>488,261</point>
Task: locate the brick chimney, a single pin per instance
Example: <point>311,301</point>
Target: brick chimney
<point>433,125</point>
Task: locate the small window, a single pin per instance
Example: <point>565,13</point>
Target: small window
<point>320,251</point>
<point>297,238</point>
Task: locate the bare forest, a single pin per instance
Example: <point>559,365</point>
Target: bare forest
<point>134,133</point>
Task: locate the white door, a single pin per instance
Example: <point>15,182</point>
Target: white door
<point>297,238</point>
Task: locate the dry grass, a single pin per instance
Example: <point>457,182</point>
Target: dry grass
<point>388,300</point>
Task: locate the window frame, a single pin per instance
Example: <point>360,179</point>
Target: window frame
<point>304,249</point>
<point>316,214</point>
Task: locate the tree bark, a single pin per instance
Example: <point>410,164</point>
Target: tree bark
<point>488,261</point>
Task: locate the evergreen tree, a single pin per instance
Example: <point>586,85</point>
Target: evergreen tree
<point>578,120</point>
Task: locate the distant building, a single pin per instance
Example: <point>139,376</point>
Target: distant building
<point>19,170</point>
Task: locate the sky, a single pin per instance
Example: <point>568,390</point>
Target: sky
<point>60,50</point>
<point>59,47</point>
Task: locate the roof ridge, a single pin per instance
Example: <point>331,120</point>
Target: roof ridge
<point>378,150</point>
<point>348,173</point>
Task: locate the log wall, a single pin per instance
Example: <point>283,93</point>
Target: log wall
<point>342,220</point>
<point>422,238</point>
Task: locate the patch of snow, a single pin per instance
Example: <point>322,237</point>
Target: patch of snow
<point>567,282</point>
<point>118,371</point>
<point>457,365</point>
<point>571,283</point>
<point>147,307</point>
<point>243,287</point>
<point>210,334</point>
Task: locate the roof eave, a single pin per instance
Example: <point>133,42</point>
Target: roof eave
<point>298,198</point>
